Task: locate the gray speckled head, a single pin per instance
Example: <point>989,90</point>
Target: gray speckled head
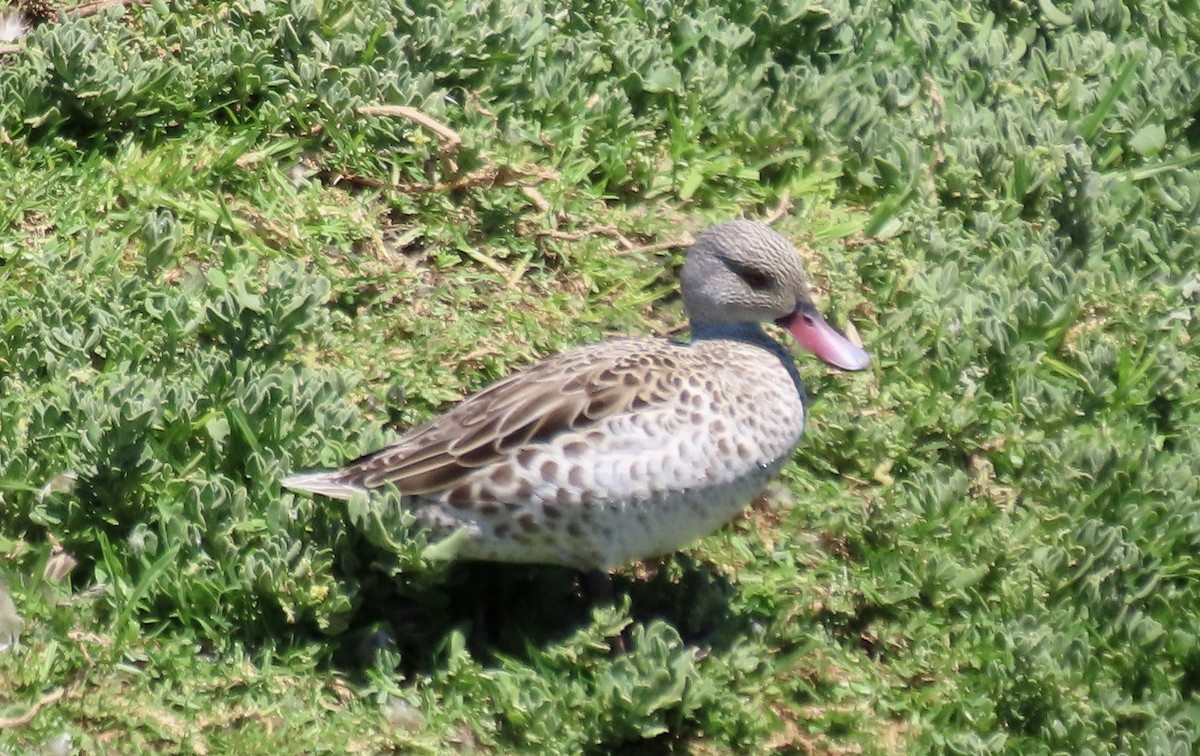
<point>742,271</point>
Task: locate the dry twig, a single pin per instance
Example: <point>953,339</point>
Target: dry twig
<point>92,8</point>
<point>683,241</point>
<point>862,241</point>
<point>27,717</point>
<point>610,231</point>
<point>785,205</point>
<point>450,139</point>
<point>489,177</point>
<point>333,178</point>
<point>536,198</point>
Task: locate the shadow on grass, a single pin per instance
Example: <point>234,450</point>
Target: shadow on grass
<point>511,610</point>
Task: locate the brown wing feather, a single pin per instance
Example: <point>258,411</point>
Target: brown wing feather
<point>569,392</point>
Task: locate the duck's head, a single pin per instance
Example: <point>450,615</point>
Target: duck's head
<point>744,272</point>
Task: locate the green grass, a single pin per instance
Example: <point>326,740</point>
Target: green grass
<point>220,261</point>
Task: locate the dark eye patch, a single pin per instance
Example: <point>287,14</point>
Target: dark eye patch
<point>756,279</point>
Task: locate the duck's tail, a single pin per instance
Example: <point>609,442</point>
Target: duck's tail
<point>325,482</point>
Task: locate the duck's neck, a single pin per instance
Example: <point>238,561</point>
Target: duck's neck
<point>750,333</point>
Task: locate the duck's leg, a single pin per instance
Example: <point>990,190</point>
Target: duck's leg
<point>598,589</point>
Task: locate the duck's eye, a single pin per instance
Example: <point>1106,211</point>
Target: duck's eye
<point>756,279</point>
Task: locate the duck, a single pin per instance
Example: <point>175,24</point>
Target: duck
<point>628,448</point>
